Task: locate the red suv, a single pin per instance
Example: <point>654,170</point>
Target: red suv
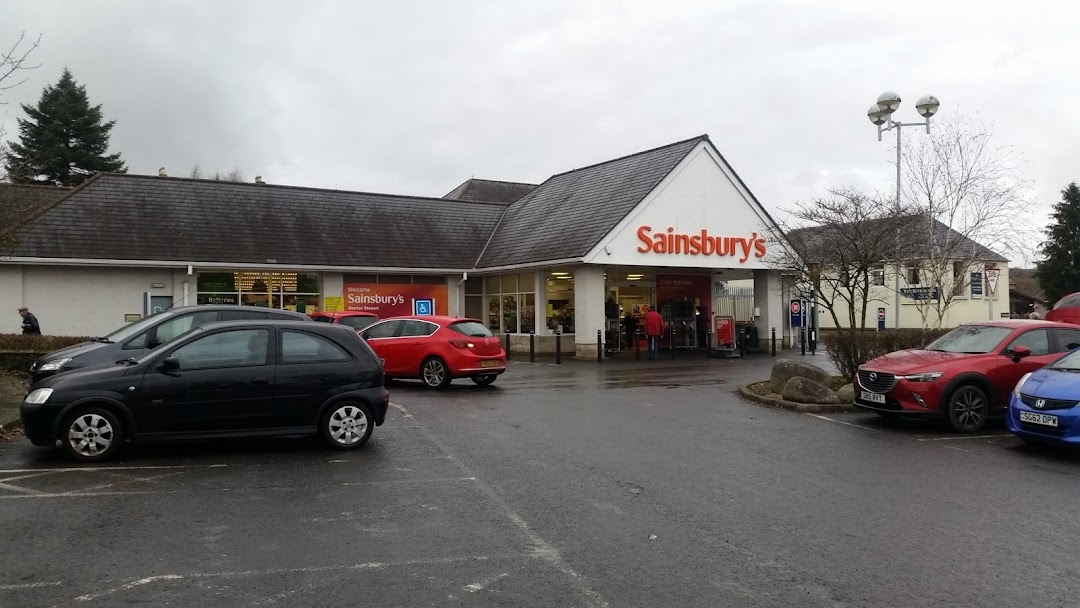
<point>965,376</point>
<point>355,320</point>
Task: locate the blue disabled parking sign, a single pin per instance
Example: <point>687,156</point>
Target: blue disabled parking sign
<point>424,306</point>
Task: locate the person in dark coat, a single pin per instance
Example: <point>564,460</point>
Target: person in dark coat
<point>30,325</point>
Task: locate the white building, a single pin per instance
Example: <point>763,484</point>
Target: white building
<point>662,227</point>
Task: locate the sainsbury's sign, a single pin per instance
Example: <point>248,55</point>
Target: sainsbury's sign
<point>672,242</point>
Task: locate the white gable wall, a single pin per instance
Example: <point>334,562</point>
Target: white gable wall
<point>701,194</point>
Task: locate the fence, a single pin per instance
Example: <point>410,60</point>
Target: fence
<point>737,302</point>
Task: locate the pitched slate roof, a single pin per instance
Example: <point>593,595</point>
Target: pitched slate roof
<point>135,217</point>
<point>490,191</point>
<point>19,203</point>
<point>909,227</point>
<point>568,214</point>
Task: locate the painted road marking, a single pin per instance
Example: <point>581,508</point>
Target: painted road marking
<point>279,571</point>
<point>107,469</point>
<point>541,549</point>
<point>859,426</point>
<point>18,586</point>
<point>964,437</point>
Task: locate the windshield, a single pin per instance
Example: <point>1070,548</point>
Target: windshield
<point>971,339</point>
<point>358,322</point>
<point>471,329</point>
<point>1070,362</point>
<point>1069,301</point>
<point>134,329</point>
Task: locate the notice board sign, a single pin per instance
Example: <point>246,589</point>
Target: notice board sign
<point>725,332</point>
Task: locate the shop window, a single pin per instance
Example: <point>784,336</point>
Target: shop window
<point>282,290</point>
<point>959,273</point>
<point>474,307</point>
<point>911,275</point>
<point>511,303</point>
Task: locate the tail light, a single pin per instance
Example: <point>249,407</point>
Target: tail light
<point>462,344</point>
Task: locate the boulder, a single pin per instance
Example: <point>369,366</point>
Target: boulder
<point>804,390</point>
<point>786,369</point>
<point>846,393</point>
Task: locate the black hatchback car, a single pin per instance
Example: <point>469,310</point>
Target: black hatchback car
<point>228,379</point>
<point>136,339</point>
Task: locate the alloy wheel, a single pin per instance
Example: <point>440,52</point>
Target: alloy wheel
<point>968,409</point>
<point>348,424</point>
<point>91,435</point>
<point>434,373</point>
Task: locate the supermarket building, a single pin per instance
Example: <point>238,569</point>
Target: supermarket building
<point>664,227</point>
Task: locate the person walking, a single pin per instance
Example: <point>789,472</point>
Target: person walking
<point>30,325</point>
<point>654,327</point>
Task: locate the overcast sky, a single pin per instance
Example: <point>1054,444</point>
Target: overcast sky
<point>414,98</point>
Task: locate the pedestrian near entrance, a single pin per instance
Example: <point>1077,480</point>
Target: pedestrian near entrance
<point>654,327</point>
<point>30,326</point>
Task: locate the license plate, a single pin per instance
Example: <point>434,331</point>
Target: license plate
<point>873,397</point>
<point>489,363</point>
<point>1042,419</point>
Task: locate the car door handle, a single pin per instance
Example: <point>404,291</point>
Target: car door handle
<point>260,380</point>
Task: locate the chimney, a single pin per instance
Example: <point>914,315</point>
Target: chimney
<point>161,172</point>
<point>259,179</point>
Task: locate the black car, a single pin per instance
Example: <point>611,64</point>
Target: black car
<point>136,339</point>
<point>227,379</point>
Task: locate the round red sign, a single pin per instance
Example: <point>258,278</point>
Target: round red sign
<point>795,307</point>
<point>881,313</point>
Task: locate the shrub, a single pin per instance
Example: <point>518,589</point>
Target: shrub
<point>849,349</point>
<point>17,351</point>
<point>37,344</point>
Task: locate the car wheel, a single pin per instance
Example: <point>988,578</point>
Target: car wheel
<point>484,379</point>
<point>91,434</point>
<point>969,408</point>
<point>434,373</point>
<point>347,425</point>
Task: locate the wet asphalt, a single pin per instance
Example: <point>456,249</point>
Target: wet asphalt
<point>625,484</point>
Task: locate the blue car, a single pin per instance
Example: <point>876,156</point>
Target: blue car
<point>1043,407</point>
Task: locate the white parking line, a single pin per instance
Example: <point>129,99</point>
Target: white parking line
<point>541,549</point>
<point>964,437</point>
<point>17,586</point>
<point>280,571</point>
<point>859,426</point>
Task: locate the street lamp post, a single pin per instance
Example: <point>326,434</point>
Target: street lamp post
<point>881,113</point>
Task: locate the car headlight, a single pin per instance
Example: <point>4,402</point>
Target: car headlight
<point>1020,384</point>
<point>52,366</point>
<point>39,396</point>
<point>924,377</point>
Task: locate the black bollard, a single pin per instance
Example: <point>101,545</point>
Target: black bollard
<point>532,347</point>
<point>507,343</point>
<point>558,347</point>
<point>774,341</point>
<point>599,346</point>
<point>671,339</point>
<point>802,342</point>
<point>637,345</point>
<point>708,344</point>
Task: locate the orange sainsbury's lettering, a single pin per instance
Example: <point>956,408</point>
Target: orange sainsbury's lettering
<point>671,242</point>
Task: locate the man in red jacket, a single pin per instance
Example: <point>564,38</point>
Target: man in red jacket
<point>654,327</point>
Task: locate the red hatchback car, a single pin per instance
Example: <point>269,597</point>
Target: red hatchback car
<point>355,320</point>
<point>437,349</point>
<point>965,376</point>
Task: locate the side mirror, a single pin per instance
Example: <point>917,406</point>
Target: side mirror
<point>1019,353</point>
<point>170,365</point>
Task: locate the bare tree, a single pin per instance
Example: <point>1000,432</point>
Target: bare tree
<point>842,242</point>
<point>972,202</point>
<point>15,60</point>
<point>236,175</point>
